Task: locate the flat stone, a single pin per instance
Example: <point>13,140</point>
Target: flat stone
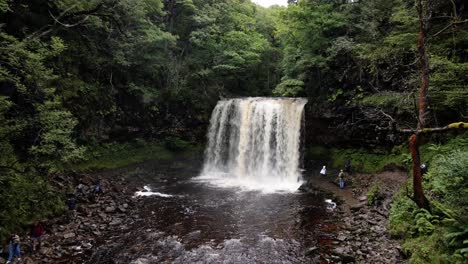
<point>341,238</point>
<point>110,209</point>
<point>362,198</point>
<point>339,250</point>
<point>68,235</point>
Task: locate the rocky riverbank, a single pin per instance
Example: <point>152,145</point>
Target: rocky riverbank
<point>74,235</point>
<point>362,235</point>
<point>358,232</point>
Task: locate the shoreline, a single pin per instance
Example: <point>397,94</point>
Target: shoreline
<point>356,232</point>
<point>361,234</point>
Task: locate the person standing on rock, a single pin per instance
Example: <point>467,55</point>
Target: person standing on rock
<point>341,179</point>
<point>14,249</point>
<point>323,171</point>
<point>37,231</point>
<point>98,187</point>
<point>71,203</point>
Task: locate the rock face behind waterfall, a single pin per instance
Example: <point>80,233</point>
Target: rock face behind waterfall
<point>255,142</point>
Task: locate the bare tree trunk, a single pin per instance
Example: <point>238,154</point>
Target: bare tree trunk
<point>424,15</point>
<point>419,197</point>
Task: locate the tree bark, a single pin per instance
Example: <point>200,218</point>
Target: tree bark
<point>424,15</point>
<point>418,193</point>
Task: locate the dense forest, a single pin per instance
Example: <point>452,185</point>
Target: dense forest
<point>79,74</point>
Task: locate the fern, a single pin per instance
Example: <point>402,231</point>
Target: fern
<point>425,221</point>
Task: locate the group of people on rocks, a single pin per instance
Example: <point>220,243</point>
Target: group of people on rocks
<point>341,175</point>
<point>37,229</point>
<point>14,247</point>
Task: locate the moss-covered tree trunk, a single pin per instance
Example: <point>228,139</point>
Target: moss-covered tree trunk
<point>424,15</point>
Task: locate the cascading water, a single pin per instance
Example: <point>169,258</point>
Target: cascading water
<point>255,143</point>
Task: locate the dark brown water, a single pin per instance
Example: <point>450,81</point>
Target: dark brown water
<point>201,223</point>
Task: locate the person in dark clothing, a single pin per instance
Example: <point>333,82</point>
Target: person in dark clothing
<point>98,187</point>
<point>348,167</point>
<point>37,231</point>
<point>71,202</point>
<point>424,168</point>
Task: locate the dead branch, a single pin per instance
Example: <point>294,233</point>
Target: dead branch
<point>457,125</point>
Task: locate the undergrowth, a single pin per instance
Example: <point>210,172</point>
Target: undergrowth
<point>362,160</point>
<point>119,155</point>
<point>374,194</point>
<point>439,235</point>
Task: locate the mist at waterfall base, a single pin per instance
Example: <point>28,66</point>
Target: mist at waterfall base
<point>254,144</point>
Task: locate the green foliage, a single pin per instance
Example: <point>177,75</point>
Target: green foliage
<point>400,213</point>
<point>26,198</point>
<point>389,101</point>
<point>448,178</point>
<point>76,73</point>
<point>424,222</point>
<point>306,31</point>
<point>364,160</point>
<point>176,144</point>
<point>289,87</point>
<point>57,147</point>
<point>336,95</point>
<point>119,155</point>
<point>363,56</point>
<point>438,236</point>
<point>4,6</point>
<point>374,194</point>
<point>428,249</point>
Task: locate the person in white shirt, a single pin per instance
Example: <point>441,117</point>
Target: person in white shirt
<point>323,171</point>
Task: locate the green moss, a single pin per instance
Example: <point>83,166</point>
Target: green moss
<point>375,160</point>
<point>366,161</point>
<point>113,156</point>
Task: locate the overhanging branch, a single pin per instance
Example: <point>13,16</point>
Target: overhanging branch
<point>458,125</point>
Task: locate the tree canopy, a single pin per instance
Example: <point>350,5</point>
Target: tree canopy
<point>78,73</point>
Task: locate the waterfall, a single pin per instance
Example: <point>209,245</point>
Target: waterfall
<point>255,143</point>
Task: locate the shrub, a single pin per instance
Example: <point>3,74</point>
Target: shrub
<point>374,195</point>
